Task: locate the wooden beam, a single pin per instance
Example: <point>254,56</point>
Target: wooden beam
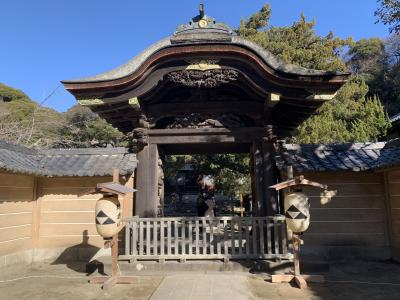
<point>204,135</point>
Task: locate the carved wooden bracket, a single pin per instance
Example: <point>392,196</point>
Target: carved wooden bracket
<point>139,138</point>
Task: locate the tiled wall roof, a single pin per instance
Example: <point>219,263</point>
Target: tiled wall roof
<point>66,162</point>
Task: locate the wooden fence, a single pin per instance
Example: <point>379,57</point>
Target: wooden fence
<point>206,238</point>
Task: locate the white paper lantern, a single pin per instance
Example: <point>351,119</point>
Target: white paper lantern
<point>108,216</point>
<point>297,212</point>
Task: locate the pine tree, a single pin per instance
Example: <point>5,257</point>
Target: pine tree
<point>352,115</point>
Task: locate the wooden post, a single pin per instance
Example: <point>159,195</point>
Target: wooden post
<point>114,256</point>
<point>147,182</point>
<point>270,203</point>
<point>296,243</point>
<point>109,281</point>
<point>116,175</point>
<point>258,197</point>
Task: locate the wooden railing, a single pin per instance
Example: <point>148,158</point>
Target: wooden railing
<point>206,238</point>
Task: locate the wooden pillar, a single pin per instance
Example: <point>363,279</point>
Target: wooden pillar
<point>270,206</point>
<point>142,181</point>
<point>153,200</point>
<point>258,179</point>
<point>146,182</point>
<point>128,205</point>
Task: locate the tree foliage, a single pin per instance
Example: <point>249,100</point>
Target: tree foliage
<point>83,128</point>
<point>350,117</point>
<point>24,121</point>
<point>378,62</point>
<point>231,172</point>
<point>296,44</point>
<point>353,115</point>
<point>389,14</point>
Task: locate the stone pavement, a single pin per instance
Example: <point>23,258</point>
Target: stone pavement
<point>203,286</point>
<point>345,280</point>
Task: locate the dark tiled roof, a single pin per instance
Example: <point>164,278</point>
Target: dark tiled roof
<point>18,159</point>
<point>66,162</point>
<point>340,157</point>
<point>395,118</point>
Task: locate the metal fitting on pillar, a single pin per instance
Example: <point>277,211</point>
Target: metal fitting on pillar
<point>270,133</point>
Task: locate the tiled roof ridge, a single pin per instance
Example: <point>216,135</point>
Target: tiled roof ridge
<point>337,146</point>
<point>84,151</point>
<point>65,162</point>
<point>10,146</point>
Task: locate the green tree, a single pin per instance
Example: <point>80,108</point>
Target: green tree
<point>352,116</point>
<point>230,171</point>
<point>24,121</point>
<point>297,44</point>
<point>83,128</point>
<point>389,14</point>
<point>378,62</point>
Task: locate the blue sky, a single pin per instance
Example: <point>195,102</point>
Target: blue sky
<point>45,41</point>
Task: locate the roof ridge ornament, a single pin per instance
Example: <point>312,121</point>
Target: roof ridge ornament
<point>202,28</point>
<point>201,10</point>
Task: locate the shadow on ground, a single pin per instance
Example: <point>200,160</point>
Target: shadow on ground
<point>77,257</point>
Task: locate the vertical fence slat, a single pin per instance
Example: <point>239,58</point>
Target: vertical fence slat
<point>147,237</point>
<point>190,237</point>
<point>225,237</point>
<point>162,238</point>
<point>141,239</point>
<point>276,235</point>
<point>204,243</point>
<point>254,235</point>
<point>233,250</point>
<point>284,238</point>
<point>169,246</point>
<point>176,237</point>
<point>155,238</point>
<point>134,237</point>
<point>246,228</point>
<point>261,225</point>
<point>218,237</point>
<point>211,223</point>
<point>197,229</point>
<point>128,238</point>
<point>183,234</point>
<point>268,236</point>
<point>240,232</point>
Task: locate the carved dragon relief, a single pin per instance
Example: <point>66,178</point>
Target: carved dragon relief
<point>203,79</point>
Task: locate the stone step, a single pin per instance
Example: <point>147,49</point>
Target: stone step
<point>197,266</point>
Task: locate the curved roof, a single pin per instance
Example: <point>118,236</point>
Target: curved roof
<point>271,60</point>
<point>195,33</point>
<point>124,94</point>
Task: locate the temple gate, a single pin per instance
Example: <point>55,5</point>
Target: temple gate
<point>205,90</point>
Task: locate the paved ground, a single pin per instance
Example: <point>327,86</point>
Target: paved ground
<point>344,281</point>
<point>204,286</point>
